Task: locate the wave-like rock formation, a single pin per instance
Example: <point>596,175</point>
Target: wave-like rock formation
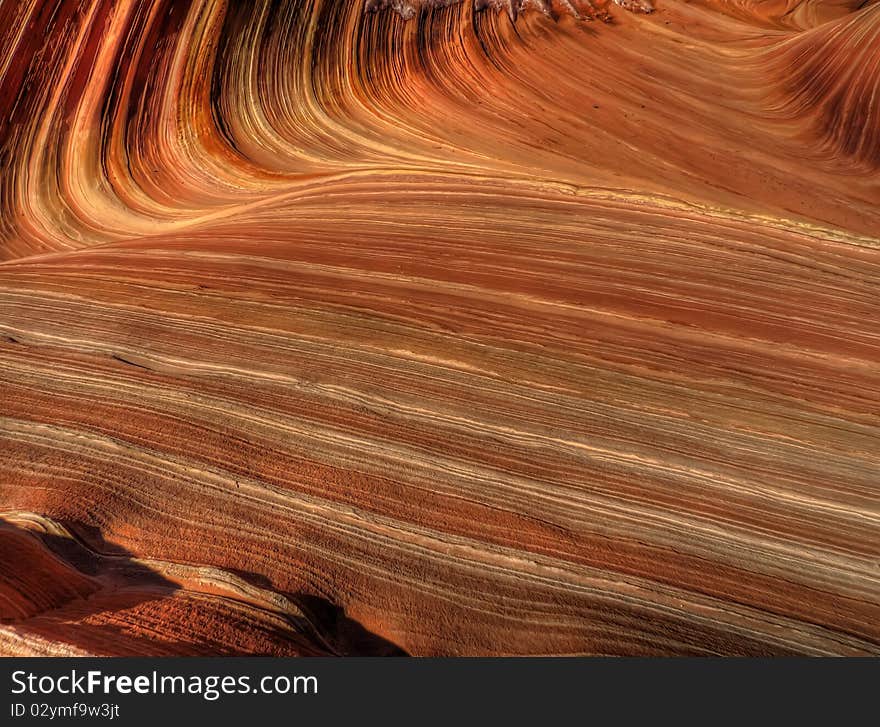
<point>333,327</point>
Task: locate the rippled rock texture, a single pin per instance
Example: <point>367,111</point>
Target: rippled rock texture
<point>334,327</point>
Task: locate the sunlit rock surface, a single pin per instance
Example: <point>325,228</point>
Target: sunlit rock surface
<point>333,327</point>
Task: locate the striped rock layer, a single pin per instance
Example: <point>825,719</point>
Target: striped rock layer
<point>326,331</point>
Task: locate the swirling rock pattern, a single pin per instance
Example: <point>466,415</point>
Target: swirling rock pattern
<point>328,331</point>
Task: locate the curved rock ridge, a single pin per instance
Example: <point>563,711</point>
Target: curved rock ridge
<point>788,14</point>
<point>327,331</point>
<point>581,9</point>
<point>832,78</point>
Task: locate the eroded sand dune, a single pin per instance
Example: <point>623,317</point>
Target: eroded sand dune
<point>326,331</point>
